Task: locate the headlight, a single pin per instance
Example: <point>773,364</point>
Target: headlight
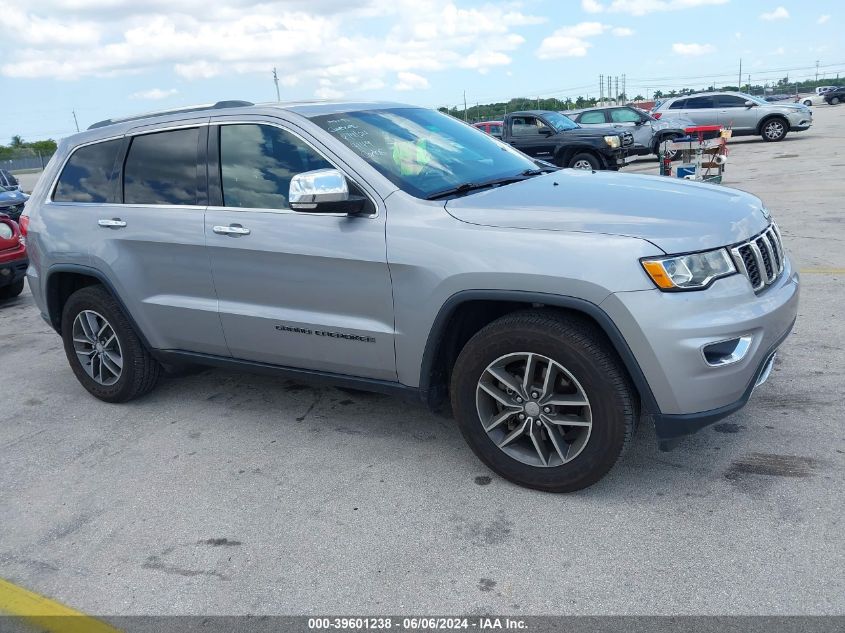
<point>689,272</point>
<point>612,141</point>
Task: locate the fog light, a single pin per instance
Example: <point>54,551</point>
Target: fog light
<point>727,352</point>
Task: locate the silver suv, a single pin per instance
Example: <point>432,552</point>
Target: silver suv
<point>397,249</point>
<point>745,114</point>
<point>648,132</point>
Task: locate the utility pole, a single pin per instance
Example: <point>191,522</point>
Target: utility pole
<point>817,70</point>
<point>749,83</point>
<point>739,80</point>
<point>276,81</point>
<point>465,105</point>
<point>74,120</point>
<point>538,103</point>
<point>624,91</point>
<point>601,89</point>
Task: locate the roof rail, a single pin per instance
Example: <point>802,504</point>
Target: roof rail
<point>148,115</point>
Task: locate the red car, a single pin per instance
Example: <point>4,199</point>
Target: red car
<point>493,128</point>
<point>13,259</point>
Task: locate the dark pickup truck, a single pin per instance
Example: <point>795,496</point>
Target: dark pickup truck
<point>555,138</point>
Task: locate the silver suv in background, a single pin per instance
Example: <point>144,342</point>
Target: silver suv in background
<point>648,132</point>
<point>393,248</point>
<point>745,114</point>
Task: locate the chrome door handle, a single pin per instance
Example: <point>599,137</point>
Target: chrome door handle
<point>114,223</point>
<point>234,229</point>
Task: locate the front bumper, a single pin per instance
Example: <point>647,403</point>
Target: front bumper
<point>12,272</point>
<point>668,331</point>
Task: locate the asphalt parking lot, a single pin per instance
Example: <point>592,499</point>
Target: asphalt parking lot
<point>225,493</point>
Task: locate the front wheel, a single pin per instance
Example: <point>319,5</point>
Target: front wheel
<point>584,161</point>
<point>102,348</point>
<point>774,130</point>
<point>834,101</point>
<point>543,401</point>
<point>808,103</point>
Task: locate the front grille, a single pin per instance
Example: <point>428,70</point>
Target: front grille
<point>760,259</point>
<point>627,139</point>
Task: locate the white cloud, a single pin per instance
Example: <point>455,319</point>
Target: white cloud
<point>307,40</point>
<point>570,41</point>
<point>822,19</point>
<point>573,41</point>
<point>778,14</point>
<point>153,94</point>
<point>644,7</point>
<point>410,81</point>
<point>693,49</point>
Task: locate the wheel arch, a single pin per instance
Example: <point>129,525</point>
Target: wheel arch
<point>769,117</point>
<point>466,312</point>
<point>564,154</point>
<point>64,279</point>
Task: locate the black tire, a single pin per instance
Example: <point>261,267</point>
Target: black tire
<point>834,101</point>
<point>807,102</point>
<point>585,157</point>
<point>12,290</point>
<point>140,371</point>
<point>584,351</point>
<point>774,129</point>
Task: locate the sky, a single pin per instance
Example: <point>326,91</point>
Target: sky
<point>110,58</point>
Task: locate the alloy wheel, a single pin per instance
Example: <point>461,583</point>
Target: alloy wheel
<point>97,347</point>
<point>534,409</point>
<point>774,130</point>
<point>582,164</point>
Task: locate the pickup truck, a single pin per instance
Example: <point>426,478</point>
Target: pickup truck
<point>555,138</point>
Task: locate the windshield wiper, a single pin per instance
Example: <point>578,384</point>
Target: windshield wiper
<point>475,186</point>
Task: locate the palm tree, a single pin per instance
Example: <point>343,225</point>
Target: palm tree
<point>17,141</point>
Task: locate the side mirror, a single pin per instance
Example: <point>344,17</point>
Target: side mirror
<point>750,104</point>
<point>546,131</point>
<point>323,191</point>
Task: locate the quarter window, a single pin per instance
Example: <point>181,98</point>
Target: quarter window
<point>87,176</point>
<point>161,168</point>
<point>257,163</point>
<point>680,104</point>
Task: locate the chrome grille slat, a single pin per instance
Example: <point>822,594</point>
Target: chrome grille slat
<point>761,259</point>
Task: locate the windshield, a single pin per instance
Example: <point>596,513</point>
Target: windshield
<point>756,100</point>
<point>423,151</point>
<point>559,121</point>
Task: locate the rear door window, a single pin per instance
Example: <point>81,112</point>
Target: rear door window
<point>161,168</point>
<point>699,103</point>
<point>87,176</point>
<point>590,118</point>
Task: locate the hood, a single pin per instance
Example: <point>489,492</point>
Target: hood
<point>12,198</point>
<point>675,215</point>
<point>594,131</point>
<point>787,106</point>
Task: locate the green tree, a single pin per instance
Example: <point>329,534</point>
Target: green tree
<point>17,141</point>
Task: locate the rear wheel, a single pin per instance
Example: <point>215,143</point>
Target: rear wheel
<point>543,401</point>
<point>102,348</point>
<point>834,101</point>
<point>12,290</point>
<point>807,102</point>
<point>584,161</point>
<point>775,130</point>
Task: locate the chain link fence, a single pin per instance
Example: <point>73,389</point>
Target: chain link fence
<point>23,159</point>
